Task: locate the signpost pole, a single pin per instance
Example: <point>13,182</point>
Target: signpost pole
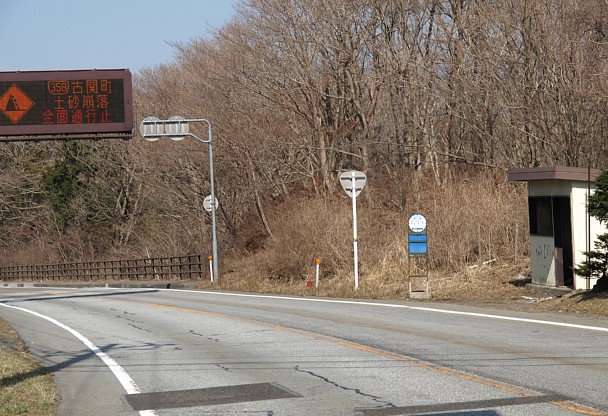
<point>356,254</point>
<point>353,183</point>
<point>213,208</point>
<point>176,128</point>
<point>418,259</point>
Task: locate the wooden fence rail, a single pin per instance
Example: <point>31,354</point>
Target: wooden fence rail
<point>159,268</point>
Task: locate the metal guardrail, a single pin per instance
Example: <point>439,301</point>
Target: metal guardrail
<point>159,268</point>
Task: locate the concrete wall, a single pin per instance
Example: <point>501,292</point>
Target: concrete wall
<point>542,251</point>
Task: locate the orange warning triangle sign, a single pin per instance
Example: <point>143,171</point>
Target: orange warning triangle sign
<point>14,103</point>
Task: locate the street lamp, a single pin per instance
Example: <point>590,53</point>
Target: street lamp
<point>177,128</point>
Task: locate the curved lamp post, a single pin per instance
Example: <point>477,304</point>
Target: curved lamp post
<point>177,128</point>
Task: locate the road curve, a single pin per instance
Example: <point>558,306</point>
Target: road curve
<point>170,352</point>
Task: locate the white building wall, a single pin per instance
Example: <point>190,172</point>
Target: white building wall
<point>580,242</point>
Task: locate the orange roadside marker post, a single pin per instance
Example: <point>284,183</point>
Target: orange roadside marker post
<point>211,268</point>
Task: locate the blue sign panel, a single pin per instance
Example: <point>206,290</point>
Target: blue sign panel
<point>417,244</point>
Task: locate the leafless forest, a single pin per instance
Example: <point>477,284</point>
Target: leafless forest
<point>433,99</point>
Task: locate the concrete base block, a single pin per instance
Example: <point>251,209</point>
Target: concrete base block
<point>419,295</point>
<point>552,290</point>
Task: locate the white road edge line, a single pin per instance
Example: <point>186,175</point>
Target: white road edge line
<point>123,377</point>
<point>398,306</point>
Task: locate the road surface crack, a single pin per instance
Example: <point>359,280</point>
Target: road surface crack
<point>203,336</point>
<point>377,399</point>
<point>223,367</point>
<point>140,328</point>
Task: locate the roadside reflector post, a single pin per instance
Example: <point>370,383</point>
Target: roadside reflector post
<point>355,236</point>
<point>318,261</point>
<point>211,268</point>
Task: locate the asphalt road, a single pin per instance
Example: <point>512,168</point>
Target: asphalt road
<point>169,352</point>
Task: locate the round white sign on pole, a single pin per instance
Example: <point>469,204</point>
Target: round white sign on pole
<point>151,131</point>
<point>417,223</point>
<point>177,127</point>
<point>207,204</point>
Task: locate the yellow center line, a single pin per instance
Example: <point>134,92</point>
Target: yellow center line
<point>567,405</point>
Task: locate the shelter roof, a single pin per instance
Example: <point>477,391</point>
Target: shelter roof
<point>553,172</point>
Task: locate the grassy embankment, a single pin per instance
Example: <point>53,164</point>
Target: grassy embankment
<point>26,387</point>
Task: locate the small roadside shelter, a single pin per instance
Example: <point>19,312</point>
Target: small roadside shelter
<point>561,230</point>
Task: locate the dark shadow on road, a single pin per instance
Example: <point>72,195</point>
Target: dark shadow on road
<point>18,378</point>
<point>75,358</point>
<point>77,296</point>
<point>474,413</point>
<point>464,408</point>
<point>400,411</point>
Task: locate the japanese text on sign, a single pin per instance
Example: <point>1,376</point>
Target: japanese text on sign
<point>80,101</point>
<point>65,102</point>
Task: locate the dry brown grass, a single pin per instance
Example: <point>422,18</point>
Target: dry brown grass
<point>26,387</point>
<point>587,303</point>
<point>472,219</point>
<point>478,244</point>
<point>484,283</point>
<point>492,285</point>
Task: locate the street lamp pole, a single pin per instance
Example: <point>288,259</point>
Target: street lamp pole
<point>176,128</point>
<point>213,208</point>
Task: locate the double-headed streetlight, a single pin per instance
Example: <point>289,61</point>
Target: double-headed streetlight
<point>177,128</point>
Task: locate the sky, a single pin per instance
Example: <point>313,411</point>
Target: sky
<point>44,35</point>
